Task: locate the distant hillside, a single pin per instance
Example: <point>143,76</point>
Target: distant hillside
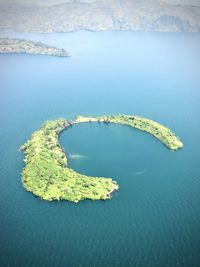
<point>134,15</point>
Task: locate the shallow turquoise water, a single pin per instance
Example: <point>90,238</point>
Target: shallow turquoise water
<point>154,219</point>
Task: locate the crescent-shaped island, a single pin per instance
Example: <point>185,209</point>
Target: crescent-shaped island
<point>47,175</point>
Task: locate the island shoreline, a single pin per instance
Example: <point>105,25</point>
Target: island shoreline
<point>22,46</point>
<point>46,173</point>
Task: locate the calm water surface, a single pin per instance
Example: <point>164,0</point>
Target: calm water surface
<point>154,219</point>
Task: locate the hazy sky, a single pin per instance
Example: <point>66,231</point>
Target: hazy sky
<point>50,2</point>
<point>41,2</point>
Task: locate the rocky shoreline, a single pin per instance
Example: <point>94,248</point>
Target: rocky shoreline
<point>10,46</point>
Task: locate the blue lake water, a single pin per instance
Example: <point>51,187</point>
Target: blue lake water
<point>154,219</point>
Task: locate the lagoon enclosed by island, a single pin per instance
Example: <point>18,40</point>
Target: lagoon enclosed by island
<point>46,173</point>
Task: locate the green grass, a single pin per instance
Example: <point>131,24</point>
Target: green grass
<point>47,175</point>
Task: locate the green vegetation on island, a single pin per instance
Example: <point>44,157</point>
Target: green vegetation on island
<point>164,134</point>
<point>8,46</point>
<point>47,175</point>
